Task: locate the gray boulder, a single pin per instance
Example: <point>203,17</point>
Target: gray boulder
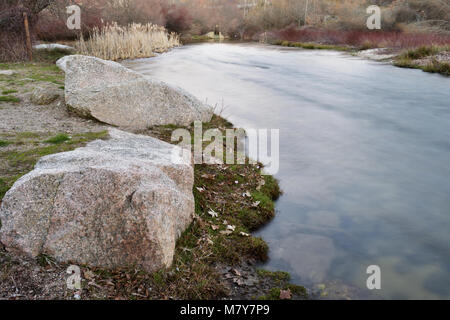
<point>53,46</point>
<point>115,203</point>
<point>7,72</point>
<point>113,94</point>
<point>45,95</point>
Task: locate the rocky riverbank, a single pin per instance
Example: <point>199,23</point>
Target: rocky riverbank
<point>216,257</point>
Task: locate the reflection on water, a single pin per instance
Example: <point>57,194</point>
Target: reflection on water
<point>364,159</point>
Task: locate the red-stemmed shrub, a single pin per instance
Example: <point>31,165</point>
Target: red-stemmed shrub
<point>360,38</point>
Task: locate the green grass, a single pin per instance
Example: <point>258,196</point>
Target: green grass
<point>9,99</point>
<point>60,138</point>
<point>6,183</point>
<point>49,56</point>
<point>27,135</point>
<point>437,67</point>
<point>432,67</point>
<point>194,258</point>
<point>3,143</point>
<point>312,46</point>
<point>422,52</point>
<point>275,275</point>
<point>408,59</point>
<point>9,91</point>
<point>19,162</point>
<point>4,186</point>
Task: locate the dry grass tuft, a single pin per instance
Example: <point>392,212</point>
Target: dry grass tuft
<point>113,42</point>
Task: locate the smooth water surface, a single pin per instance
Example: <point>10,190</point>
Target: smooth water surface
<point>364,159</point>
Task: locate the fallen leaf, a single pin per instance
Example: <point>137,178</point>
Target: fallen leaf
<point>200,189</point>
<point>236,272</point>
<point>226,232</point>
<point>285,294</point>
<point>89,275</point>
<point>92,283</point>
<point>214,227</point>
<point>260,184</point>
<point>238,281</point>
<point>230,227</point>
<point>212,213</point>
<point>255,204</point>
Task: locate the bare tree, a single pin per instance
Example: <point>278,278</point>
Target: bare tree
<point>11,9</point>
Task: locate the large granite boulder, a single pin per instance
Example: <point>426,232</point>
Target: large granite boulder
<point>115,203</point>
<point>111,93</point>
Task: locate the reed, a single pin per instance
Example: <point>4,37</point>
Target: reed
<point>114,42</point>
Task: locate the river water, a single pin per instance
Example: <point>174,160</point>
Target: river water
<point>364,160</point>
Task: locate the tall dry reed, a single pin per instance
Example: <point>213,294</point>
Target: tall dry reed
<point>113,42</point>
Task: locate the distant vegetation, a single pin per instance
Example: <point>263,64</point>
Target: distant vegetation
<point>405,23</point>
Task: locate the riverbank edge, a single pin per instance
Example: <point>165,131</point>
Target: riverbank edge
<point>210,262</point>
<point>423,58</point>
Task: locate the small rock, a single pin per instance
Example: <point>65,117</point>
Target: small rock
<point>53,46</point>
<point>7,72</point>
<point>285,294</point>
<point>45,95</point>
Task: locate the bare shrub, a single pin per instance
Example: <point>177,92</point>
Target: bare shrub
<point>12,34</point>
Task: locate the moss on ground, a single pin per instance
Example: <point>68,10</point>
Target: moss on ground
<point>274,275</point>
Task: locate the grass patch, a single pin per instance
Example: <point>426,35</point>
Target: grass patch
<point>19,162</point>
<point>6,183</point>
<point>42,69</point>
<point>312,46</point>
<point>438,67</point>
<point>9,99</point>
<point>5,92</point>
<point>60,138</point>
<point>27,135</point>
<point>274,275</point>
<point>49,56</point>
<point>408,59</point>
<point>3,143</point>
<point>422,52</point>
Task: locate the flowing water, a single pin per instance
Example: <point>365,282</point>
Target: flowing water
<point>364,160</point>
